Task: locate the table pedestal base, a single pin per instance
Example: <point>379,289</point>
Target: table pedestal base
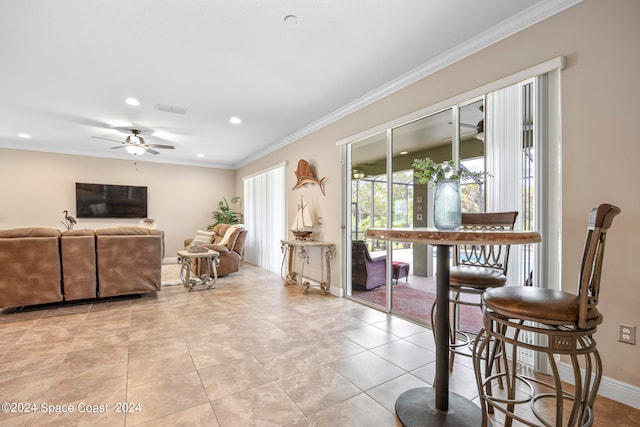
<point>417,408</point>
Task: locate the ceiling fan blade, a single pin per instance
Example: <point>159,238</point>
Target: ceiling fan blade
<point>106,139</point>
<point>119,146</point>
<point>168,147</point>
<point>151,150</point>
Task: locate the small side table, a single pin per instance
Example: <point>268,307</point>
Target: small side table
<point>212,262</point>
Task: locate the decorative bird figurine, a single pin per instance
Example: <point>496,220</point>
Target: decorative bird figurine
<point>69,221</point>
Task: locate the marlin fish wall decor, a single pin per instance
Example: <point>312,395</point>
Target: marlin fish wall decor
<point>305,175</point>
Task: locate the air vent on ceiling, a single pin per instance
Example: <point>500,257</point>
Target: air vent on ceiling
<point>171,109</point>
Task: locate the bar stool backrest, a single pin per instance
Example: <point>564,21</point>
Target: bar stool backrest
<point>600,220</point>
<point>492,256</point>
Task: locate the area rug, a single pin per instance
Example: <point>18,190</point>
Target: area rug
<point>416,303</point>
<point>171,275</point>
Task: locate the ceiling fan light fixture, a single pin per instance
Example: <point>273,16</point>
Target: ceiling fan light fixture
<point>136,150</point>
<point>134,139</point>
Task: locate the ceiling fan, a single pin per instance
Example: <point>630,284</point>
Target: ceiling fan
<point>134,144</point>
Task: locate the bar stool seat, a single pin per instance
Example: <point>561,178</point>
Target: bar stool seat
<point>475,277</point>
<point>538,305</point>
<point>552,322</point>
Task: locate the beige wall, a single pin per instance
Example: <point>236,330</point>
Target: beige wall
<point>600,96</point>
<point>36,187</point>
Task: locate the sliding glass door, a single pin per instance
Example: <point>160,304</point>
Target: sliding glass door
<point>504,133</point>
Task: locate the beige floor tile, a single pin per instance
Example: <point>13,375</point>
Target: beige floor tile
<point>83,360</point>
<point>404,354</point>
<point>366,370</point>
<point>317,388</point>
<point>264,405</point>
<point>369,336</point>
<point>90,384</point>
<point>359,411</point>
<point>399,327</point>
<point>387,394</point>
<point>332,348</point>
<point>154,366</point>
<point>290,361</point>
<point>228,378</point>
<point>98,410</point>
<point>164,397</point>
<point>200,416</point>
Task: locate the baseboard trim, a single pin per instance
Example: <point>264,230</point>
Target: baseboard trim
<point>611,389</point>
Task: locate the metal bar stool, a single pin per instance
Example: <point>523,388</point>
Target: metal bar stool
<point>564,324</point>
<point>475,269</point>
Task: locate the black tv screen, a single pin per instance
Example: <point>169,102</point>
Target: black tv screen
<point>110,201</point>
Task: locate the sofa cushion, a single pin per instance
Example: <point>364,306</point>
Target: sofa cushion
<point>122,231</point>
<point>78,255</point>
<point>29,232</point>
<point>202,238</point>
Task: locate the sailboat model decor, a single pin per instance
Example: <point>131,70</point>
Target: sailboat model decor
<point>302,226</point>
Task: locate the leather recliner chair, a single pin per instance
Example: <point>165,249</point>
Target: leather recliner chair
<point>230,254</point>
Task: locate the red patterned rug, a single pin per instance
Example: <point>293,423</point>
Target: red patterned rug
<point>416,303</point>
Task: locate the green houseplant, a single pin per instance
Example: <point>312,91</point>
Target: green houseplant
<point>428,171</point>
<point>224,214</point>
<point>445,177</point>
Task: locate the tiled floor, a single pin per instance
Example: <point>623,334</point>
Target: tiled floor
<point>251,352</point>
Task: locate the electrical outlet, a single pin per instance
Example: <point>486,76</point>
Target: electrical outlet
<point>627,333</point>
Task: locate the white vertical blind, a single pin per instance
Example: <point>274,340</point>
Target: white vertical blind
<point>504,161</point>
<point>265,219</point>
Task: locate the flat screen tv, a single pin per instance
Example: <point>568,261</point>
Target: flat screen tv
<point>110,201</point>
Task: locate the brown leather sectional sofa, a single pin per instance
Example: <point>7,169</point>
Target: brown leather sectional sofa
<point>43,265</point>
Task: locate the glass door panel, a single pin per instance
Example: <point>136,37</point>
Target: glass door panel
<point>413,265</point>
<point>472,155</point>
<point>368,184</point>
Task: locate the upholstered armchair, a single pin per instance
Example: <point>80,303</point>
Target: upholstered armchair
<point>366,273</point>
<point>228,241</point>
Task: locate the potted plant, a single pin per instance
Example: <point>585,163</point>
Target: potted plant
<point>224,214</point>
<point>445,177</point>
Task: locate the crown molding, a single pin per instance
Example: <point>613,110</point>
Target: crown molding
<point>528,17</point>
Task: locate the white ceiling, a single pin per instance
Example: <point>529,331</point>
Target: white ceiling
<point>66,67</point>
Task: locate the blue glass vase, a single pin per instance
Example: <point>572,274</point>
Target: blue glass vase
<point>447,213</point>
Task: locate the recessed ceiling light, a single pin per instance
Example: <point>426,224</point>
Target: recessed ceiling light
<point>292,20</point>
<point>132,101</point>
<point>235,120</point>
<point>24,135</point>
<point>200,155</point>
<point>404,153</point>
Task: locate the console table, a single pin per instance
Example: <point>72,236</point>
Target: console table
<point>288,247</point>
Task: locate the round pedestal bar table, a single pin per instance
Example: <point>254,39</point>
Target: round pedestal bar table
<point>427,406</point>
